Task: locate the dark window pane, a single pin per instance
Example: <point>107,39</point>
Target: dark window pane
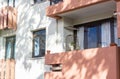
<point>38,1</point>
<point>112,31</point>
<point>92,38</point>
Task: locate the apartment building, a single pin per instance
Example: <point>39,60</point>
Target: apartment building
<point>91,28</point>
<point>59,39</point>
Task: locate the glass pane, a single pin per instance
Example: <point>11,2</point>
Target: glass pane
<point>10,47</point>
<point>92,37</point>
<point>42,43</point>
<point>36,46</point>
<point>8,50</point>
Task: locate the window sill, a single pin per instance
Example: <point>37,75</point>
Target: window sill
<point>35,58</point>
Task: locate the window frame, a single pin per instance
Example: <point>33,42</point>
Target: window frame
<point>33,41</point>
<point>12,54</point>
<point>111,20</point>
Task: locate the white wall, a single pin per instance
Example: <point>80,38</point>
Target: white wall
<point>31,18</point>
<point>3,3</point>
<point>55,37</point>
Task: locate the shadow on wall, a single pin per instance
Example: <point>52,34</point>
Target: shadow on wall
<point>29,18</point>
<point>98,63</point>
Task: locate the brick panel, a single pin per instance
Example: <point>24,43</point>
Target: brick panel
<point>96,63</point>
<point>7,69</point>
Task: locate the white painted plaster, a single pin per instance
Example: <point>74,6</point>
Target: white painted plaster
<point>32,17</point>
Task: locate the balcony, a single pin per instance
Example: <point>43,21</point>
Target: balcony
<point>69,5</point>
<point>8,18</point>
<point>7,69</point>
<point>96,63</point>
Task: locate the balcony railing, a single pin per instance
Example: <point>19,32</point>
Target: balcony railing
<point>8,18</point>
<point>7,69</point>
<point>52,2</point>
<point>96,63</point>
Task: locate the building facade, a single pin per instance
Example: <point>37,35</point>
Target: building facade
<point>59,39</point>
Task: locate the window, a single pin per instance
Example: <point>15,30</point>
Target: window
<point>10,47</point>
<point>96,34</point>
<point>39,38</point>
<point>55,1</point>
<point>11,3</point>
<point>39,1</point>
